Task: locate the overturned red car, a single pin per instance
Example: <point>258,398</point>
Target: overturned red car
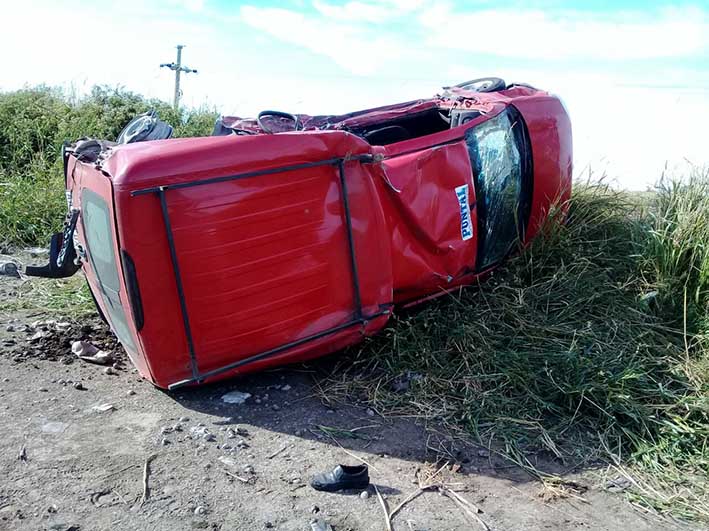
<point>287,237</point>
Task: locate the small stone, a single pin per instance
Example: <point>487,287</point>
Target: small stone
<point>165,430</point>
<point>235,397</point>
<point>79,386</point>
<point>315,509</point>
<point>52,508</point>
<point>165,441</point>
<point>230,433</point>
<point>130,392</point>
<point>268,525</point>
<point>275,407</point>
<point>295,481</point>
<point>43,389</point>
<point>370,412</point>
<point>201,432</point>
<point>102,408</point>
<point>184,419</point>
<point>110,371</point>
<point>364,494</point>
<point>177,427</point>
<point>9,328</point>
<point>483,453</point>
<point>258,400</point>
<point>298,433</point>
<point>37,336</point>
<point>248,469</point>
<point>199,510</point>
<point>286,388</point>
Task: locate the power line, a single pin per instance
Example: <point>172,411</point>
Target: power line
<point>178,68</point>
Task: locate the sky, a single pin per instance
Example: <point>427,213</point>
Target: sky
<point>633,74</point>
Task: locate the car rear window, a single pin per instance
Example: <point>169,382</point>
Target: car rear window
<point>498,152</point>
<point>98,231</point>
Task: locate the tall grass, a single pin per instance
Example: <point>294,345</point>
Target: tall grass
<point>33,124</point>
<point>576,349</point>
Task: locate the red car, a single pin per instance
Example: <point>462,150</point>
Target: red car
<point>288,237</point>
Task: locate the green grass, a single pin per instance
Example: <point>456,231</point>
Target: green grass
<point>33,124</point>
<point>67,298</point>
<point>576,349</point>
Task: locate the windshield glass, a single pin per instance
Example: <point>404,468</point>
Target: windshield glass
<point>496,157</point>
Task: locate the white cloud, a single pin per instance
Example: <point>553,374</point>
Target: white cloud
<point>355,11</point>
<point>535,34</point>
<point>195,6</point>
<point>354,47</point>
<point>374,12</point>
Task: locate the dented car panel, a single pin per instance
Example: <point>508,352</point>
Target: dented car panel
<point>278,243</point>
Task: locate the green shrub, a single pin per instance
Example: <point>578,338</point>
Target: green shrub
<point>29,122</point>
<point>33,124</point>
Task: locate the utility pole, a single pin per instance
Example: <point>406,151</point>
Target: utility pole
<point>178,68</point>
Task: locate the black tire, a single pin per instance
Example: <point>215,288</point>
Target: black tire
<point>483,84</point>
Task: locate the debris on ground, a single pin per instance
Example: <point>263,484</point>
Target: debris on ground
<point>87,352</point>
<point>9,269</point>
<point>146,479</point>
<point>320,525</point>
<point>102,408</point>
<point>235,397</point>
<point>53,340</point>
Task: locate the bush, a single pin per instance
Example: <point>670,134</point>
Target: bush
<point>29,122</point>
<point>33,124</point>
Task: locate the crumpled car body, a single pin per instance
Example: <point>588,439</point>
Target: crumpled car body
<point>216,256</point>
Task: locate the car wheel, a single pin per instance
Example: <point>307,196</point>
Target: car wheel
<point>483,84</point>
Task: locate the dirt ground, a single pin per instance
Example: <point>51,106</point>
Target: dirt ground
<point>74,459</point>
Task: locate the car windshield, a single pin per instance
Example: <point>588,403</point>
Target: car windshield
<point>495,150</point>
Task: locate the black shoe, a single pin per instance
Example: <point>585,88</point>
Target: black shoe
<point>342,477</point>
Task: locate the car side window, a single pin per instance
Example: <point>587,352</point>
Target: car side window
<point>98,229</point>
